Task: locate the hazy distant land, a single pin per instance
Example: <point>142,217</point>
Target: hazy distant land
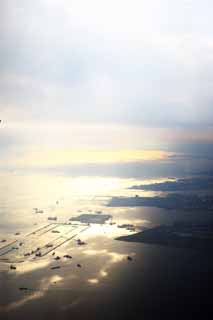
<point>201,183</point>
<point>170,201</point>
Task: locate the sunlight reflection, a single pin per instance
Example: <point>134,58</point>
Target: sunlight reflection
<point>30,266</point>
<point>93,281</point>
<point>21,302</point>
<point>113,258</point>
<point>36,294</point>
<point>103,273</point>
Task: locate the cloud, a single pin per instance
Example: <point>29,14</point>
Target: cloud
<point>144,62</point>
<point>125,75</point>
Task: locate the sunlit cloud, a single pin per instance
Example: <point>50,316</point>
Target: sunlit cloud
<point>67,157</point>
<point>103,76</point>
<point>147,63</point>
<point>38,157</point>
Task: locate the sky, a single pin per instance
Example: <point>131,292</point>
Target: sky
<point>125,81</point>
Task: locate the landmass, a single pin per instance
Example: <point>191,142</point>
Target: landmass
<point>180,235</point>
<point>170,201</point>
<point>92,218</point>
<point>199,183</point>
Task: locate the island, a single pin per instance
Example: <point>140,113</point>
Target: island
<point>92,218</point>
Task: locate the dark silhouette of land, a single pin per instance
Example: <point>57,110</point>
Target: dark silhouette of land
<point>170,201</point>
<point>178,185</point>
<point>180,234</point>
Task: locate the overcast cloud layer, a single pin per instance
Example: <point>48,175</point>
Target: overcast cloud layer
<point>139,69</point>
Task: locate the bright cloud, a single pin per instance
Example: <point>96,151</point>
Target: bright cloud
<point>105,74</point>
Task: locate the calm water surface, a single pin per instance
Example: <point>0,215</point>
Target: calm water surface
<point>159,281</point>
